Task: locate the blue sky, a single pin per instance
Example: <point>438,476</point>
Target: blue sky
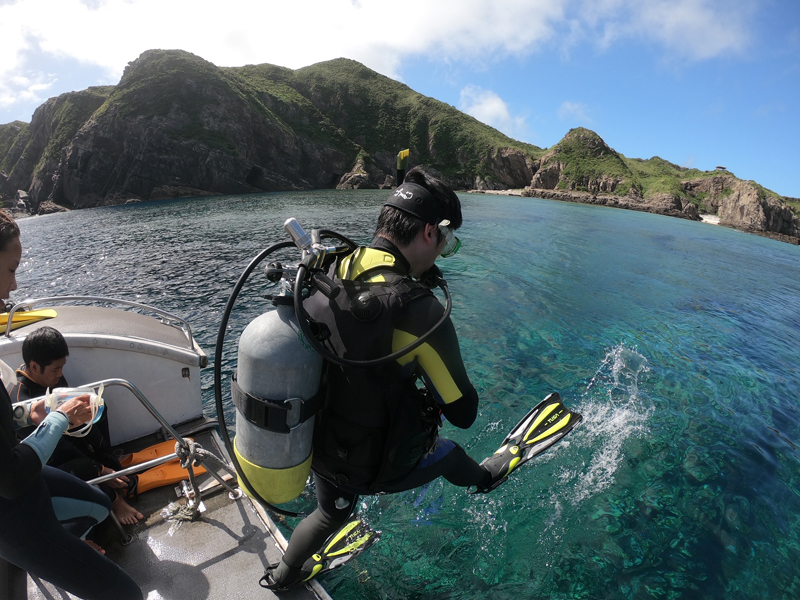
<point>700,83</point>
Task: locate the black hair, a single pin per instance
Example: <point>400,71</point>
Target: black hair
<point>44,346</point>
<point>402,227</point>
<point>8,230</point>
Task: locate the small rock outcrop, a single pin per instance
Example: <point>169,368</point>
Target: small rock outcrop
<point>365,175</point>
<point>583,162</point>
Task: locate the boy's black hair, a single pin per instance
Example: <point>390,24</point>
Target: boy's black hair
<point>403,227</point>
<point>44,346</point>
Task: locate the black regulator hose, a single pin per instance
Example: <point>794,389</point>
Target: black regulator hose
<point>218,378</point>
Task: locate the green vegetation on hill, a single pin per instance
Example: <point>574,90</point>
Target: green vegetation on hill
<point>275,88</point>
<point>381,114</point>
<point>659,176</point>
<point>72,110</point>
<point>9,133</point>
<point>186,91</point>
<point>585,157</point>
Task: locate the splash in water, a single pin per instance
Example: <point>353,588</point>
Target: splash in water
<point>614,410</point>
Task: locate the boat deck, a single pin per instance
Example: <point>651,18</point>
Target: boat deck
<point>222,555</point>
<point>107,321</point>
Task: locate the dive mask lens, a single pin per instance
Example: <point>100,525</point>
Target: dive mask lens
<point>451,242</point>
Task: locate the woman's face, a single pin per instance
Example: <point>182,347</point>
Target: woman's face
<point>10,258</point>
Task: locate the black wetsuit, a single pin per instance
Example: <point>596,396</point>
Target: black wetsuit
<point>438,362</point>
<point>83,457</point>
<point>43,513</point>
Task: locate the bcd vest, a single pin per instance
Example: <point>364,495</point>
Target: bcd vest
<point>375,424</point>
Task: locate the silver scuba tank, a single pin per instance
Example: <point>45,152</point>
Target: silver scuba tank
<point>277,379</point>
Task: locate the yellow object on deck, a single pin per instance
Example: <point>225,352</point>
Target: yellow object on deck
<point>26,317</point>
<point>153,452</point>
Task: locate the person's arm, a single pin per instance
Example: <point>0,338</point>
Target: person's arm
<point>439,359</point>
<point>45,437</point>
<point>20,463</point>
<point>28,412</point>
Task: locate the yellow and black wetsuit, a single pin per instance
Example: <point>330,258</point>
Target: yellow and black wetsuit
<point>373,434</point>
<point>377,423</point>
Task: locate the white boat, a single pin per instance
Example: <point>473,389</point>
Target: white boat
<point>151,366</point>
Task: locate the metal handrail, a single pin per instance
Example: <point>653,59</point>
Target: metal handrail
<point>145,402</point>
<point>156,462</point>
<point>164,423</point>
<point>30,302</point>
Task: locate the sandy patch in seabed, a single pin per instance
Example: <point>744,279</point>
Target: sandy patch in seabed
<point>713,219</point>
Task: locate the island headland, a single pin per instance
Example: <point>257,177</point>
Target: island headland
<point>178,126</point>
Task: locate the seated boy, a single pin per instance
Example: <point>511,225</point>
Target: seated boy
<point>44,353</point>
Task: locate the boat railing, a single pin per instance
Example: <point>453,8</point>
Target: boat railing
<point>166,318</point>
<point>187,450</point>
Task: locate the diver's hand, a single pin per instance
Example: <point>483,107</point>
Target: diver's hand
<point>118,483</point>
<point>78,410</point>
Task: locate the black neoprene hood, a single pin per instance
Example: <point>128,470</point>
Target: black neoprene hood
<point>417,201</point>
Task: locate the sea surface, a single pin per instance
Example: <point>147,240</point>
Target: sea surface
<point>678,341</point>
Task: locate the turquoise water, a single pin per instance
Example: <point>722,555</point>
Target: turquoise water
<point>678,341</point>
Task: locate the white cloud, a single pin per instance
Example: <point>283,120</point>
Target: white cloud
<point>489,108</point>
<point>687,29</point>
<point>24,89</point>
<point>574,111</point>
<point>107,34</point>
<point>112,32</point>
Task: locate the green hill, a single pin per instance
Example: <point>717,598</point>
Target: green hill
<point>177,125</point>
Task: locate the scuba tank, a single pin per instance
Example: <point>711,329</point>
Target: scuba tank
<point>275,394</point>
<point>276,388</point>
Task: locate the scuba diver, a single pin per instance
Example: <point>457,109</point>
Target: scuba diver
<point>378,429</point>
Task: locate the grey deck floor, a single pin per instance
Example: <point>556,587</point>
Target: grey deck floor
<point>220,556</point>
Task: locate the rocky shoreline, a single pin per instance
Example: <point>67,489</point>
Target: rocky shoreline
<point>661,204</point>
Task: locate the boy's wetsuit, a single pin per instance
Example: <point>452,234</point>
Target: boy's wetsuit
<point>44,511</point>
<point>83,457</point>
<point>363,405</point>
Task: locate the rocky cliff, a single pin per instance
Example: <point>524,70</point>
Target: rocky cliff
<point>582,168</point>
<point>744,205</point>
<point>177,125</point>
